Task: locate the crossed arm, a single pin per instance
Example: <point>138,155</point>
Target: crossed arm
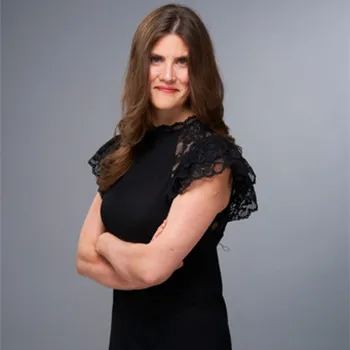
<point>125,265</point>
<point>89,262</point>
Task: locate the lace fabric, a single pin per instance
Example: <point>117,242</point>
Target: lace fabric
<point>177,125</point>
<point>95,161</point>
<point>202,153</point>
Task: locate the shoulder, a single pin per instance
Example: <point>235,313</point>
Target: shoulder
<point>195,134</point>
<point>202,154</point>
<point>111,144</point>
<point>202,148</point>
<point>102,151</point>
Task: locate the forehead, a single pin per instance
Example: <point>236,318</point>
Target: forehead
<point>170,45</point>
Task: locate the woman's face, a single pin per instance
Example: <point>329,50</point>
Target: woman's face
<point>168,70</point>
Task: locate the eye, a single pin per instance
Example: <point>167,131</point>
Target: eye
<point>182,61</point>
<point>155,59</point>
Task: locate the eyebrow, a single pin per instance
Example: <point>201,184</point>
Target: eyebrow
<point>160,56</point>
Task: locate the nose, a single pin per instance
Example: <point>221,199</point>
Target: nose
<point>168,73</point>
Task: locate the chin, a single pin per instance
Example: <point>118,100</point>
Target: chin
<point>165,105</point>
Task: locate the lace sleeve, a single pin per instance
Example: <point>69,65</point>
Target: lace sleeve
<point>210,156</point>
<point>96,159</point>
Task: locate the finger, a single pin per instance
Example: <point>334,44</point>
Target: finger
<point>181,264</point>
<point>160,228</point>
<point>158,232</point>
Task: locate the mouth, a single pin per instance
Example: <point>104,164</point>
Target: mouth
<point>166,89</point>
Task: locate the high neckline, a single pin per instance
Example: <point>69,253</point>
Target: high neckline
<point>176,125</point>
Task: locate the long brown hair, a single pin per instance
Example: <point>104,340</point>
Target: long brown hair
<point>205,85</point>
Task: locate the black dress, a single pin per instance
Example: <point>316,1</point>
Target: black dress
<point>188,311</point>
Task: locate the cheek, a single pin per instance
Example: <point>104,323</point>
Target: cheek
<point>153,73</point>
<point>183,78</point>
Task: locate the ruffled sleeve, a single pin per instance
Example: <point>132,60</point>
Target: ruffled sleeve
<point>96,159</point>
<point>211,155</point>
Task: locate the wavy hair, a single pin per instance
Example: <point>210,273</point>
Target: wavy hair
<point>206,90</point>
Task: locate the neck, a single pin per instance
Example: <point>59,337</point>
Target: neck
<point>169,117</point>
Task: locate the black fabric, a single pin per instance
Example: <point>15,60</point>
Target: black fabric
<point>202,153</point>
<point>188,311</point>
<point>95,161</point>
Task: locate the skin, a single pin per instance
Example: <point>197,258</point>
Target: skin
<point>189,217</point>
<point>169,68</point>
<point>137,266</point>
<point>93,265</point>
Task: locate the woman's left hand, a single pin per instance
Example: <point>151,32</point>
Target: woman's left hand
<point>159,230</point>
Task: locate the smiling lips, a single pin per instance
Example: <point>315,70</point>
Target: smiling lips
<point>168,90</point>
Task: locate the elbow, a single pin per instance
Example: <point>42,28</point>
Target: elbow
<point>83,264</point>
<point>155,276</point>
<point>151,279</point>
<point>80,266</point>
<point>84,259</point>
<point>155,269</point>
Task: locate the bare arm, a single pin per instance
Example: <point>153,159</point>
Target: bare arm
<point>189,217</point>
<point>91,264</point>
<point>102,272</point>
<point>129,260</point>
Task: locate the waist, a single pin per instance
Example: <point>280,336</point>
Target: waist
<point>177,290</point>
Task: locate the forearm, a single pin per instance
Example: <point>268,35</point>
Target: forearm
<point>103,273</point>
<point>130,260</point>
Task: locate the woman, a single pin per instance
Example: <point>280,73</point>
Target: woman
<point>168,183</point>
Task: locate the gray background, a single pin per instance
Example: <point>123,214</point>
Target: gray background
<point>285,68</point>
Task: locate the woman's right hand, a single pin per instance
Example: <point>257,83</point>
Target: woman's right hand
<point>160,229</point>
